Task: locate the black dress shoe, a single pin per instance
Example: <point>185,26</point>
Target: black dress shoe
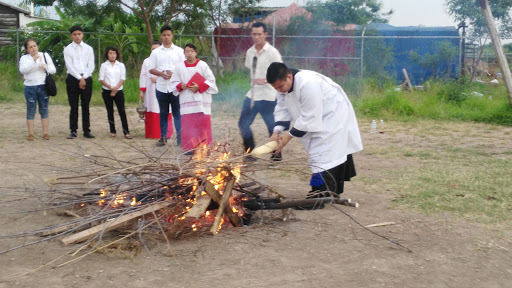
<point>88,135</point>
<point>276,157</point>
<point>71,135</point>
<point>161,142</point>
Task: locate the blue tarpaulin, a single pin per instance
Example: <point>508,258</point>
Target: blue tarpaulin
<point>423,41</point>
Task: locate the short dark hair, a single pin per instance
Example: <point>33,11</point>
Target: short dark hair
<point>190,45</point>
<point>165,27</point>
<point>259,24</point>
<point>111,48</point>
<point>277,71</point>
<point>156,42</point>
<point>75,28</point>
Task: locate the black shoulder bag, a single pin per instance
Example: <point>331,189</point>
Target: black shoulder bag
<point>49,83</point>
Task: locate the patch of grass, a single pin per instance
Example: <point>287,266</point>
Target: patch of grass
<point>452,100</point>
<point>476,189</point>
<point>232,90</point>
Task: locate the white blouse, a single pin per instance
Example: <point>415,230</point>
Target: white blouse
<point>112,74</point>
<point>32,73</point>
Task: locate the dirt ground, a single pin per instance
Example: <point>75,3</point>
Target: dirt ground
<point>320,248</point>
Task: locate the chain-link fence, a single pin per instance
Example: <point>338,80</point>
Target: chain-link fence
<point>355,56</point>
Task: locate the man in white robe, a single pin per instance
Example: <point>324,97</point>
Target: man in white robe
<point>323,119</point>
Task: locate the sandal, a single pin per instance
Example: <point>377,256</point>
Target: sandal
<point>112,135</point>
<point>30,137</point>
<point>46,137</point>
<point>128,136</point>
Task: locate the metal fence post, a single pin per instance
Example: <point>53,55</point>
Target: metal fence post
<point>362,54</point>
<point>18,48</point>
<point>99,49</point>
<point>274,32</point>
<point>461,65</point>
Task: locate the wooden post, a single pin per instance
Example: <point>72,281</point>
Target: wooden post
<point>224,203</point>
<point>407,81</point>
<point>214,194</point>
<point>498,49</point>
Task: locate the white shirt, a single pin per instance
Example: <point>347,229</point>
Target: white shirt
<point>266,56</point>
<point>112,74</point>
<point>191,102</point>
<point>79,59</point>
<point>163,59</point>
<point>32,73</point>
<point>320,107</point>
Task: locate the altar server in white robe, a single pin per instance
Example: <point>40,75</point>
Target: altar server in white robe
<point>147,87</point>
<point>195,99</point>
<point>324,121</point>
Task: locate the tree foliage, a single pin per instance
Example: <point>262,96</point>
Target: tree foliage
<point>344,12</point>
<point>469,10</point>
<point>440,62</point>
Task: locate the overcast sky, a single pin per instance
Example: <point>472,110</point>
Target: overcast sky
<point>406,12</point>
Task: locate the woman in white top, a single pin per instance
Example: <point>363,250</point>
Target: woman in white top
<point>112,77</point>
<point>34,67</point>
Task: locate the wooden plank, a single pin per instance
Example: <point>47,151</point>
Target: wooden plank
<point>110,225</point>
<point>224,203</point>
<point>380,224</point>
<point>232,216</point>
<point>407,81</point>
<point>202,202</point>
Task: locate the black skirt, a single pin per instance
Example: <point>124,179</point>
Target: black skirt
<point>334,178</point>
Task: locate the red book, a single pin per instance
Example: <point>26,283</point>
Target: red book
<point>199,80</point>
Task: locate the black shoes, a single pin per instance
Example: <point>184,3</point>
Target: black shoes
<point>250,158</point>
<point>276,157</point>
<point>71,135</point>
<point>161,142</point>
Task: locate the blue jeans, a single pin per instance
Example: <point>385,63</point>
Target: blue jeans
<point>164,99</point>
<point>266,110</point>
<point>36,95</point>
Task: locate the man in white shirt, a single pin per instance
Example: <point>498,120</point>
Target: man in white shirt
<point>162,63</point>
<point>79,60</point>
<point>261,97</point>
<point>323,119</point>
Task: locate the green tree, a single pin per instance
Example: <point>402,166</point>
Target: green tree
<point>440,62</point>
<point>469,11</point>
<point>343,12</point>
<point>377,55</point>
<point>54,43</point>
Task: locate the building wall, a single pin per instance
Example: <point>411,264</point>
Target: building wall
<point>9,19</point>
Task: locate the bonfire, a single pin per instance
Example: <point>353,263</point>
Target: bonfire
<point>203,194</point>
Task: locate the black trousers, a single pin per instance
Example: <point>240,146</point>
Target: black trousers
<point>109,104</point>
<point>78,96</point>
<point>334,178</point>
